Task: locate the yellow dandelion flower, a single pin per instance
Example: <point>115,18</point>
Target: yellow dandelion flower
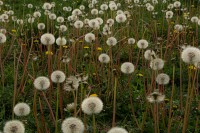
<point>81,41</point>
<point>14,31</point>
<point>99,49</point>
<point>166,100</point>
<point>93,95</point>
<point>86,47</point>
<point>36,41</point>
<point>94,74</point>
<point>23,44</point>
<point>192,67</point>
<point>140,75</point>
<point>47,52</point>
<point>175,31</point>
<point>172,22</point>
<point>65,46</point>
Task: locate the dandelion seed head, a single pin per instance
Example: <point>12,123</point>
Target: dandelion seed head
<point>117,130</point>
<point>142,44</point>
<point>162,79</point>
<point>190,54</point>
<point>41,83</point>
<point>149,54</point>
<point>47,39</point>
<point>14,126</point>
<point>21,109</point>
<point>72,125</point>
<point>92,105</point>
<point>157,64</point>
<point>2,38</point>
<point>111,41</point>
<point>127,68</point>
<point>89,37</point>
<point>61,41</point>
<point>58,76</point>
<point>104,58</point>
<point>121,18</point>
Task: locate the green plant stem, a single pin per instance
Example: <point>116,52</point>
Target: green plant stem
<point>114,102</point>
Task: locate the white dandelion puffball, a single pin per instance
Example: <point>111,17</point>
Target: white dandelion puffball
<point>178,27</point>
<point>142,44</point>
<point>190,54</point>
<point>72,83</point>
<point>117,130</point>
<point>78,24</point>
<point>72,125</point>
<point>58,76</point>
<point>41,83</point>
<point>52,16</point>
<point>127,68</point>
<point>31,20</point>
<point>41,26</point>
<point>169,14</point>
<point>60,19</point>
<point>111,41</point>
<point>194,19</point>
<point>104,7</point>
<point>110,22</point>
<point>104,58</point>
<point>150,8</point>
<point>121,18</point>
<point>94,23</point>
<point>63,28</point>
<point>157,64</point>
<point>155,97</point>
<point>89,37</point>
<point>47,39</point>
<point>61,41</point>
<point>2,38</point>
<point>92,105</point>
<point>149,54</point>
<point>162,79</point>
<point>94,12</point>
<point>22,109</point>
<point>37,14</point>
<point>47,6</point>
<point>14,126</point>
<point>177,4</point>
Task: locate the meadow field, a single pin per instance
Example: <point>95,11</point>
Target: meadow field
<point>99,66</point>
